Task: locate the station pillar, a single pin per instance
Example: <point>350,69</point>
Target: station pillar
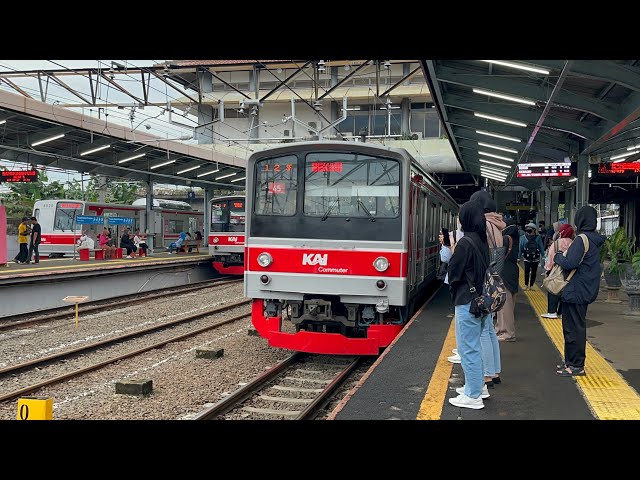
<point>150,227</point>
<point>206,225</point>
<point>569,205</point>
<point>582,185</point>
<point>405,106</point>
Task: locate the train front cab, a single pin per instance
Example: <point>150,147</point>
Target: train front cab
<point>226,235</point>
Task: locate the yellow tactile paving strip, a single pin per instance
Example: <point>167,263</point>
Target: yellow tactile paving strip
<point>435,396</point>
<point>608,395</point>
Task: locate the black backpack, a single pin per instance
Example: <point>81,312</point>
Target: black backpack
<point>531,251</point>
<point>494,293</point>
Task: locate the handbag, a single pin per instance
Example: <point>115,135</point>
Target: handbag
<point>493,295</point>
<point>555,281</point>
<point>498,254</point>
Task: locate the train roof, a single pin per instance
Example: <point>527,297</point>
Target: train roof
<point>228,197</point>
<point>162,203</point>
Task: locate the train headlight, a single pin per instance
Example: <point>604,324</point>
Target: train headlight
<point>216,239</point>
<point>264,259</point>
<point>381,264</point>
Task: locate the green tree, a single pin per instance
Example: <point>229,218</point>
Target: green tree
<point>76,191</point>
<point>124,193</point>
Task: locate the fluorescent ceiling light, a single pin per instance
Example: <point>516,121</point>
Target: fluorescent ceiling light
<point>496,156</point>
<point>50,139</point>
<point>189,169</point>
<point>132,158</point>
<point>504,149</point>
<point>2,121</point>
<point>226,176</point>
<point>508,167</point>
<point>622,155</point>
<point>500,119</point>
<point>504,137</point>
<point>574,179</point>
<point>493,170</point>
<point>618,161</point>
<point>498,179</point>
<point>208,173</point>
<point>630,148</point>
<point>162,164</point>
<point>238,179</point>
<point>94,150</point>
<point>504,97</point>
<point>519,66</point>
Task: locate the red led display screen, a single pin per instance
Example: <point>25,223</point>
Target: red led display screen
<point>326,167</point>
<point>11,176</point>
<point>619,168</point>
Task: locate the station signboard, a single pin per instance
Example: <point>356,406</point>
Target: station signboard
<point>120,221</point>
<point>89,220</point>
<point>554,169</point>
<point>18,176</point>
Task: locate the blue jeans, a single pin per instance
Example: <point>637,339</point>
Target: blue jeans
<point>490,348</point>
<point>468,330</point>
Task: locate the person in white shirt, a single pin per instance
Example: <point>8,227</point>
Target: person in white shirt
<point>140,243</point>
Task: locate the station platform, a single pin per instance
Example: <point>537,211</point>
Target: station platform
<point>413,379</point>
<point>49,268</point>
<point>35,287</point>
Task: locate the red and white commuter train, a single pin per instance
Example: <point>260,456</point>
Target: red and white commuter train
<point>341,241</point>
<point>60,230</point>
<point>226,234</point>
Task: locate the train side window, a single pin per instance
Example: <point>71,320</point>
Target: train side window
<point>37,214</point>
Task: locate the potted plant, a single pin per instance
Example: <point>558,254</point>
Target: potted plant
<point>618,249</point>
<point>630,277</point>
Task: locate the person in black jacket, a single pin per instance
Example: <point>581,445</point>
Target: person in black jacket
<point>505,320</point>
<point>581,290</point>
<point>467,269</point>
<point>127,242</point>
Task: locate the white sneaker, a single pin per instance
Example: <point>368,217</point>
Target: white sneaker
<point>485,391</point>
<point>454,358</point>
<point>455,351</point>
<point>128,256</point>
<point>549,315</point>
<point>463,401</point>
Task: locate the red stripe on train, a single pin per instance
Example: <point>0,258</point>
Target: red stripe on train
<point>325,261</point>
<point>226,239</point>
<point>59,239</point>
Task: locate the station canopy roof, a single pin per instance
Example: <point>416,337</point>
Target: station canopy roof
<point>498,114</point>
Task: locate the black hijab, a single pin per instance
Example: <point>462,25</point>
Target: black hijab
<point>586,219</point>
<point>484,199</point>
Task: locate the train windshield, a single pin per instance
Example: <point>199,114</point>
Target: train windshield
<point>276,186</point>
<point>349,185</point>
<point>228,215</point>
<point>66,213</point>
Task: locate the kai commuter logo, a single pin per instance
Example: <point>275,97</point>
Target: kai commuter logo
<point>315,259</point>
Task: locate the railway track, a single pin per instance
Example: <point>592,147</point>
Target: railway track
<point>36,363</point>
<point>57,313</point>
<point>296,388</point>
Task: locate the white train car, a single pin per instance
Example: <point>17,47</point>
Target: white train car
<point>226,234</point>
<point>60,227</point>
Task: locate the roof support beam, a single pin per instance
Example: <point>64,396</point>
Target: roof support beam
<point>227,83</point>
<point>15,87</point>
<point>429,72</point>
<point>624,75</point>
<point>545,112</point>
<point>167,82</point>
<point>518,113</point>
<point>631,112</point>
<point>67,88</point>
<point>526,89</point>
<point>122,89</point>
<point>403,79</point>
<point>285,81</point>
<point>328,92</point>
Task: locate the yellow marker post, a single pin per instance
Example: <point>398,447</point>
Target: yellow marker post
<point>35,408</point>
<point>76,300</point>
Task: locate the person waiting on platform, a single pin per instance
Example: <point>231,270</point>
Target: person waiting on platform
<point>106,243</point>
<point>23,240</point>
<point>562,243</point>
<point>140,243</point>
<point>85,241</point>
<point>177,245</point>
<point>531,249</point>
<point>127,242</point>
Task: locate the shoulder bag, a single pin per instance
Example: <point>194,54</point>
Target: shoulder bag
<point>555,281</point>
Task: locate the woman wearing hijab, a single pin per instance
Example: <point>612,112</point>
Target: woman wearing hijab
<point>565,237</point>
<point>505,320</point>
<point>581,290</point>
<point>488,339</point>
<point>468,264</point>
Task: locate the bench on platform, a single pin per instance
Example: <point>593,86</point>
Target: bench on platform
<point>189,244</point>
<point>85,253</point>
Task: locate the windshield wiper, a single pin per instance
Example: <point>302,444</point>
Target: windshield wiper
<point>366,210</point>
<point>328,212</point>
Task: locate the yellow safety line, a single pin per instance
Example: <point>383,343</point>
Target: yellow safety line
<point>434,398</point>
<point>3,273</point>
<point>606,392</point>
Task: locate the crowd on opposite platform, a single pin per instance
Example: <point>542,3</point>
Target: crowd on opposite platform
<point>485,234</point>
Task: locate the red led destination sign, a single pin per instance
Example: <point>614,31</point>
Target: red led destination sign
<point>15,176</point>
<point>619,168</point>
<point>326,167</point>
<point>544,170</point>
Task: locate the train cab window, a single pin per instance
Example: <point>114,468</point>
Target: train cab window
<point>276,186</point>
<point>349,185</point>
<point>228,216</point>
<point>237,215</point>
<point>37,214</point>
<point>66,213</point>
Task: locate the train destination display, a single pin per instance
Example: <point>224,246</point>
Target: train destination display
<point>559,169</point>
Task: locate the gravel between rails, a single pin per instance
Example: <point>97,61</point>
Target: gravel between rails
<point>183,385</point>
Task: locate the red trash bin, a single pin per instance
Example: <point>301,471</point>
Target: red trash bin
<point>84,254</point>
<point>119,252</point>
